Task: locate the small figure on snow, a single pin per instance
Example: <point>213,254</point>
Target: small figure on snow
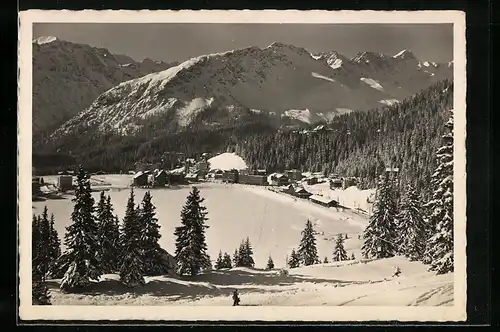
<point>397,272</point>
<point>236,299</point>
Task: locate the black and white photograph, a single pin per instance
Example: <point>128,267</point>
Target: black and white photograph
<point>233,165</point>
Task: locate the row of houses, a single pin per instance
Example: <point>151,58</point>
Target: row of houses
<point>301,192</point>
<point>158,178</point>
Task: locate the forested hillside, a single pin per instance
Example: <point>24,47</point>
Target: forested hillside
<point>361,144</point>
<point>405,135</point>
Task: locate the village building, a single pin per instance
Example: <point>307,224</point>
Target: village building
<point>336,184</point>
<point>65,182</point>
<point>325,201</point>
<point>259,180</point>
<point>230,176</point>
<point>203,167</point>
<point>312,180</point>
<point>176,178</point>
<point>290,189</point>
<point>160,178</point>
<point>217,174</point>
<point>300,192</point>
<point>294,174</point>
<point>349,182</point>
<point>191,177</point>
<point>260,172</point>
<point>140,179</point>
<point>278,179</point>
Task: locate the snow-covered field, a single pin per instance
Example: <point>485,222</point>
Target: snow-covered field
<point>273,222</point>
<point>352,284</point>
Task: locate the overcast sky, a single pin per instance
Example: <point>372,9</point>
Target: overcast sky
<point>179,42</point>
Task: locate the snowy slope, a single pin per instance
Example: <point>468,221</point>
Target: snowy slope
<point>275,79</point>
<point>354,284</point>
<point>227,161</point>
<point>68,77</point>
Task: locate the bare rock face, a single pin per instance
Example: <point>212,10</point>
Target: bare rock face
<point>68,77</point>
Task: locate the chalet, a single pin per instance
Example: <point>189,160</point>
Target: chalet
<point>65,182</point>
<point>191,177</point>
<point>325,201</point>
<point>230,176</point>
<point>140,178</point>
<point>176,178</point>
<point>301,193</point>
<point>294,174</point>
<point>252,179</point>
<point>290,189</point>
<point>260,172</point>
<point>335,184</point>
<point>349,182</point>
<point>203,167</point>
<point>160,178</point>
<point>312,180</point>
<point>277,179</point>
<point>217,174</point>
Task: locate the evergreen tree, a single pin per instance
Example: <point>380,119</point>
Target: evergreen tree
<point>131,264</point>
<point>380,234</point>
<point>353,257</point>
<point>325,261</point>
<point>44,246</point>
<point>294,260</point>
<point>270,264</point>
<point>339,253</point>
<point>226,261</point>
<point>190,242</point>
<point>109,235</point>
<point>236,258</point>
<point>55,242</point>
<point>411,226</point>
<point>308,252</point>
<point>219,262</point>
<point>81,238</point>
<point>440,245</point>
<point>39,290</point>
<point>245,253</point>
<point>151,236</point>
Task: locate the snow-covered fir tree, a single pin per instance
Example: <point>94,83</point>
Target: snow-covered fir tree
<point>270,264</point>
<point>380,236</point>
<point>131,263</point>
<point>39,290</point>
<point>226,261</point>
<point>307,251</point>
<point>81,238</point>
<point>219,262</point>
<point>294,260</point>
<point>245,254</point>
<point>150,237</point>
<point>353,257</point>
<point>109,235</point>
<point>411,226</point>
<point>191,248</point>
<point>236,258</point>
<point>54,243</point>
<point>439,251</point>
<point>339,253</point>
<point>325,261</point>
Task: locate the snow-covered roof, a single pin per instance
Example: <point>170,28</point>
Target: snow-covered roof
<point>279,175</point>
<point>299,190</point>
<point>322,199</point>
<point>138,174</point>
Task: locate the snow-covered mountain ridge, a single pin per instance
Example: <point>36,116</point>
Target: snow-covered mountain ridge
<point>282,80</point>
<point>68,77</point>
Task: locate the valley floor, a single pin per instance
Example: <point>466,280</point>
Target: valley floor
<point>349,283</point>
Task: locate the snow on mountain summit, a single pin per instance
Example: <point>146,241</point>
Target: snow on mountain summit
<point>404,54</point>
<point>274,80</point>
<point>44,40</point>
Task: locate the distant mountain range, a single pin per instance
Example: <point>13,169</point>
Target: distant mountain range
<point>68,77</point>
<point>285,82</point>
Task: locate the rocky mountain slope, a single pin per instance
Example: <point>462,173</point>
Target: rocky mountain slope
<point>282,81</point>
<point>68,77</point>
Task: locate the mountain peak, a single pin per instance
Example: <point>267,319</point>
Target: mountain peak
<point>368,57</point>
<point>404,54</point>
<point>44,40</point>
